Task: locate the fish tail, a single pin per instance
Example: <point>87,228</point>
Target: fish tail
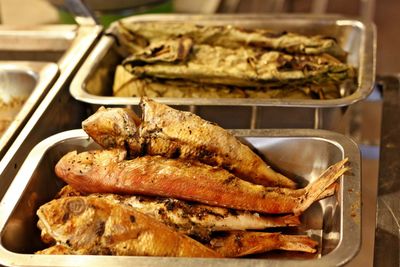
<point>330,191</point>
<point>301,243</point>
<point>319,187</point>
<point>291,220</point>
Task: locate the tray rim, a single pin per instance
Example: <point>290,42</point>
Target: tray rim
<point>366,73</point>
<point>344,252</point>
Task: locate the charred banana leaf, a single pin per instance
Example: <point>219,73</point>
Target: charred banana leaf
<point>235,67</point>
<point>128,85</point>
<point>136,36</point>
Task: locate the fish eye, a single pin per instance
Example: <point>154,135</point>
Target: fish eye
<point>76,206</point>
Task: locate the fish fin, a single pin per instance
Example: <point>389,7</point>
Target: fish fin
<point>317,188</point>
<point>301,243</point>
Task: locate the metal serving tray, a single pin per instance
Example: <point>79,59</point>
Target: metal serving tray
<point>64,45</point>
<point>22,85</point>
<point>303,154</point>
<point>93,82</point>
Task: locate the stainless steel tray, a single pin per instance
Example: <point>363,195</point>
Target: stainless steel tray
<point>303,154</point>
<point>22,85</point>
<point>64,45</point>
<point>93,82</point>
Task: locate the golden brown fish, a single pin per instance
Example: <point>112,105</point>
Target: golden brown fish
<point>116,127</point>
<point>177,134</point>
<point>194,219</point>
<point>97,226</point>
<point>107,171</point>
<point>241,243</point>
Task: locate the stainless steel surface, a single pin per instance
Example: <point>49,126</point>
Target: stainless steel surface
<point>22,86</point>
<point>387,235</point>
<point>36,43</point>
<point>57,111</point>
<point>303,154</point>
<point>93,82</point>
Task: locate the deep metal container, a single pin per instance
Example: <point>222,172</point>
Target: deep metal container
<point>94,80</point>
<point>302,154</point>
<point>63,45</point>
<point>22,85</point>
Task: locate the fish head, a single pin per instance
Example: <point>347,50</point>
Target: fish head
<point>74,221</point>
<point>75,167</point>
<point>59,217</point>
<point>114,127</point>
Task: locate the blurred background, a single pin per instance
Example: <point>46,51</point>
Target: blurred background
<point>385,13</point>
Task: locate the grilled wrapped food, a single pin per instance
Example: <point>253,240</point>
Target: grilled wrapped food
<point>236,67</point>
<point>128,85</point>
<point>186,60</point>
<point>136,36</point>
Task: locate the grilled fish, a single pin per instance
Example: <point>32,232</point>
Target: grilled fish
<point>128,85</point>
<point>118,127</point>
<point>178,134</point>
<point>136,36</point>
<point>241,243</point>
<point>107,171</point>
<point>235,67</point>
<point>194,219</point>
<point>96,226</point>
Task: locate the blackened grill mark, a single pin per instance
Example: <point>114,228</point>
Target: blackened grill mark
<point>200,214</point>
<point>132,219</point>
<point>233,212</point>
<point>287,66</point>
<point>65,217</point>
<point>157,50</point>
<point>229,180</point>
<point>227,167</point>
<point>176,153</point>
<point>205,154</point>
<point>161,212</point>
<point>144,148</point>
<point>170,205</point>
<point>100,227</point>
<point>238,240</point>
<point>275,34</point>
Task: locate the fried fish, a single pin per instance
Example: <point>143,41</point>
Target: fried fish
<point>177,134</point>
<point>107,171</point>
<point>242,243</point>
<point>194,219</point>
<point>97,226</point>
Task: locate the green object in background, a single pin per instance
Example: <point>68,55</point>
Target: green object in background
<point>107,18</point>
